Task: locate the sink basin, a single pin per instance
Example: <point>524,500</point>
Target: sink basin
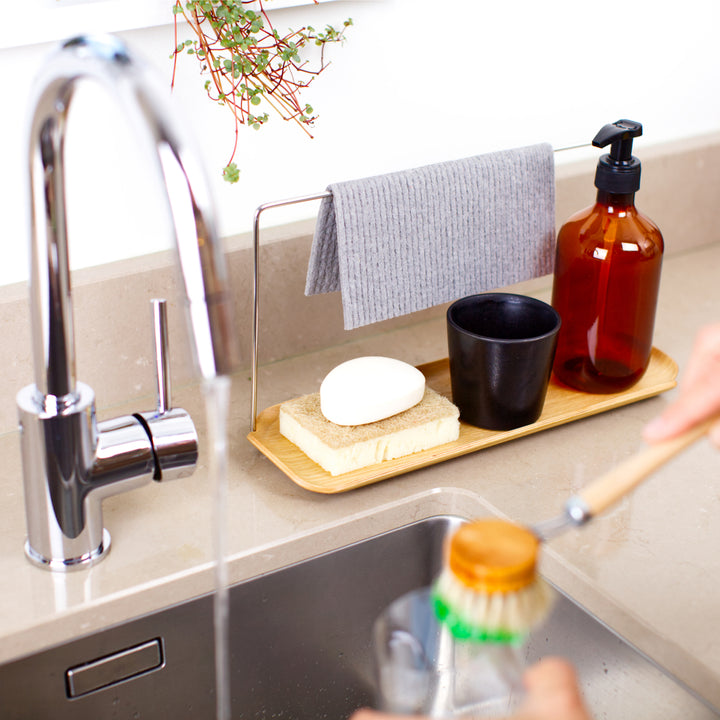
<point>300,644</point>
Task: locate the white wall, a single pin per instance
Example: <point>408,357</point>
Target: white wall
<point>418,81</point>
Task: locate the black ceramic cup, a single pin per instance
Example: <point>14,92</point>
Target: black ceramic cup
<point>501,348</point>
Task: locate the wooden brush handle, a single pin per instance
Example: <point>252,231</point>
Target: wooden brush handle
<point>615,484</point>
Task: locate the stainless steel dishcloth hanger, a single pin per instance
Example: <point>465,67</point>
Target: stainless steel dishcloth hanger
<point>256,277</point>
<point>256,286</point>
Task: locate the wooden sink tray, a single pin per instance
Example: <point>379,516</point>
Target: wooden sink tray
<point>562,405</point>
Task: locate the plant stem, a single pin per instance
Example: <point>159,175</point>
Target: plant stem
<point>249,62</point>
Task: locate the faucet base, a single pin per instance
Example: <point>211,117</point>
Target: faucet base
<point>67,564</point>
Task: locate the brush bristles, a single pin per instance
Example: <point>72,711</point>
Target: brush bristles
<point>505,617</point>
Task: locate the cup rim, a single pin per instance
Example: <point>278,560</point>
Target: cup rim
<point>504,296</point>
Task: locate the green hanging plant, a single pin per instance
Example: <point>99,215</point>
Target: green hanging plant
<point>250,65</point>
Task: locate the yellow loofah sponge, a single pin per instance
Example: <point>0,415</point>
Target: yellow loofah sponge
<point>342,448</point>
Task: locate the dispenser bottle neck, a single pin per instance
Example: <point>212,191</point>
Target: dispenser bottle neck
<point>615,200</point>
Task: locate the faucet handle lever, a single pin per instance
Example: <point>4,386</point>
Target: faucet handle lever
<point>160,346</point>
<point>171,430</point>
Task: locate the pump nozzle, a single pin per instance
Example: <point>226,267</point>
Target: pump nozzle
<point>618,171</point>
<point>620,134</point>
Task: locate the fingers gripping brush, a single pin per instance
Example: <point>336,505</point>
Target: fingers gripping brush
<point>489,589</point>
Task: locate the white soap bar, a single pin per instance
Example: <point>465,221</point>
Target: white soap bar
<point>368,389</point>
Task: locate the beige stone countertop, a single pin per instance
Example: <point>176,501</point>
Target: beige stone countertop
<point>650,568</point>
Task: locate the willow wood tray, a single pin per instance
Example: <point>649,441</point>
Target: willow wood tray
<point>562,405</point>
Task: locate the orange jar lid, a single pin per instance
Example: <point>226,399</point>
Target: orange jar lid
<point>493,555</point>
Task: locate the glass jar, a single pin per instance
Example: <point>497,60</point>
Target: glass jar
<point>422,668</point>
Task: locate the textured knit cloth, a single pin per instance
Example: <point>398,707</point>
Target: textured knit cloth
<point>406,241</point>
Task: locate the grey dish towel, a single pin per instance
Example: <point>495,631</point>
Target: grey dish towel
<point>406,241</point>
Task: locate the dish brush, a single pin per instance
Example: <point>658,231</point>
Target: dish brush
<point>489,589</point>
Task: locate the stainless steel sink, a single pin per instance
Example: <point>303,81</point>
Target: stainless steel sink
<point>301,648</point>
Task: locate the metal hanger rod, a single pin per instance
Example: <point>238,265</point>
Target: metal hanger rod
<point>256,287</point>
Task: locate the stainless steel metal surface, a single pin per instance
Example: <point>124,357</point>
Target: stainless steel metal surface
<point>173,434</point>
<point>70,461</point>
<point>256,290</point>
<point>112,669</point>
<point>575,513</point>
<point>174,441</point>
<point>162,369</point>
<point>300,641</point>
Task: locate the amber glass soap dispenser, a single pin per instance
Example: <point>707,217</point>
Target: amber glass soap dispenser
<point>607,276</point>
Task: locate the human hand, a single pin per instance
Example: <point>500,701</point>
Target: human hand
<point>552,694</point>
<point>699,392</point>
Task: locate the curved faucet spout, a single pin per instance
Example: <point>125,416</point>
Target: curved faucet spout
<point>70,462</point>
<point>107,60</point>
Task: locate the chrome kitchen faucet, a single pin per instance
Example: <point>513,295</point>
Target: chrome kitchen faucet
<point>70,460</point>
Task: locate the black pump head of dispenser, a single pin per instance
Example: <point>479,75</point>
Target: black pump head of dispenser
<point>618,171</point>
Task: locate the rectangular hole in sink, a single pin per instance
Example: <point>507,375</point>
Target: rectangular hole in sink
<point>301,646</point>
